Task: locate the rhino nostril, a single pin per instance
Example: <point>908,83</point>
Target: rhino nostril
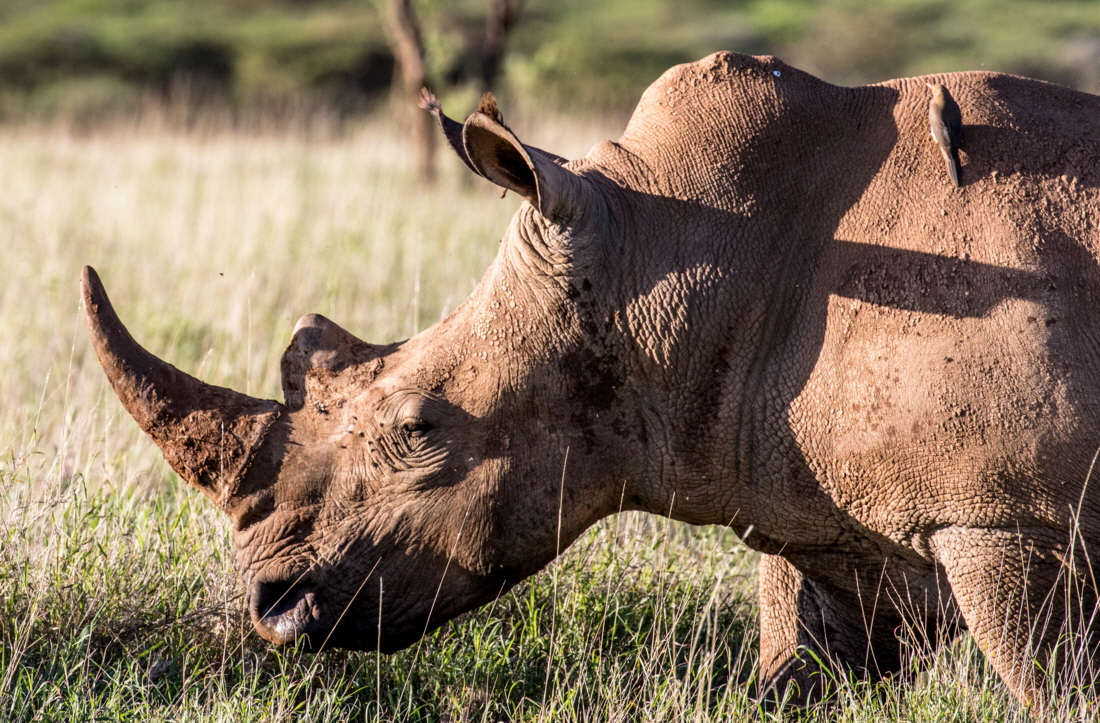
<point>274,598</point>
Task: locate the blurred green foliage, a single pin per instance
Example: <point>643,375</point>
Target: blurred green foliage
<point>67,55</point>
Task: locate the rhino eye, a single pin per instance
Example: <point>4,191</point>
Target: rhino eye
<point>416,428</point>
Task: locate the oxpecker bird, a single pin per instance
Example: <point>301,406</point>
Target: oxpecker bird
<point>946,120</point>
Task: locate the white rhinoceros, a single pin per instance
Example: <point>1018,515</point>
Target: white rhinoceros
<point>765,306</point>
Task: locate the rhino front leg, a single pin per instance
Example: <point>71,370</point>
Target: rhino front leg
<point>787,671</point>
<point>803,628</point>
<point>1029,600</point>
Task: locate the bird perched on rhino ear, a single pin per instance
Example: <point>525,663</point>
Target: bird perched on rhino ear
<point>946,121</point>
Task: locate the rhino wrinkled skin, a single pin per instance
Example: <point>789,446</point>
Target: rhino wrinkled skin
<point>765,307</point>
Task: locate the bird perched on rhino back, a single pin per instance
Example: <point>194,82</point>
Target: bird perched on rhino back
<point>946,121</point>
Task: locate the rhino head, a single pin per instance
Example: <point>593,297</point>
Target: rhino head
<point>393,489</point>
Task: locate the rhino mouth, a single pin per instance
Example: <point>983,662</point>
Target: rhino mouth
<point>284,610</point>
<point>289,611</point>
<point>293,610</point>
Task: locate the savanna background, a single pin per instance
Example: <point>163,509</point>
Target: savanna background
<point>231,165</point>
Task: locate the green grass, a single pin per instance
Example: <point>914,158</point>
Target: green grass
<point>118,599</point>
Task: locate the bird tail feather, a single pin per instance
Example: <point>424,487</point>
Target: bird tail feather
<point>951,157</point>
<point>954,168</point>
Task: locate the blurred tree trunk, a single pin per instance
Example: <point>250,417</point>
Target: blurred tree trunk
<point>502,17</point>
<point>407,42</point>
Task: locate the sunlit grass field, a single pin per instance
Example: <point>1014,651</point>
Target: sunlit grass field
<point>118,598</point>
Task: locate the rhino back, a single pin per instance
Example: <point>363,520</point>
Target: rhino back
<point>958,380</point>
<point>867,347</point>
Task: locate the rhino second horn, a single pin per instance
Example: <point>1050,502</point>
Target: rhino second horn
<point>208,434</point>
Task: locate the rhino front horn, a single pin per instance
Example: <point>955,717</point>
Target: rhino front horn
<point>208,434</point>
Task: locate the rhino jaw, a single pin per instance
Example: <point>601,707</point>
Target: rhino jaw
<point>208,434</point>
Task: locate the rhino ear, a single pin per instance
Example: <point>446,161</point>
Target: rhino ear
<point>495,153</point>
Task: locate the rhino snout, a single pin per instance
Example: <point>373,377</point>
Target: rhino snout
<point>286,609</point>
